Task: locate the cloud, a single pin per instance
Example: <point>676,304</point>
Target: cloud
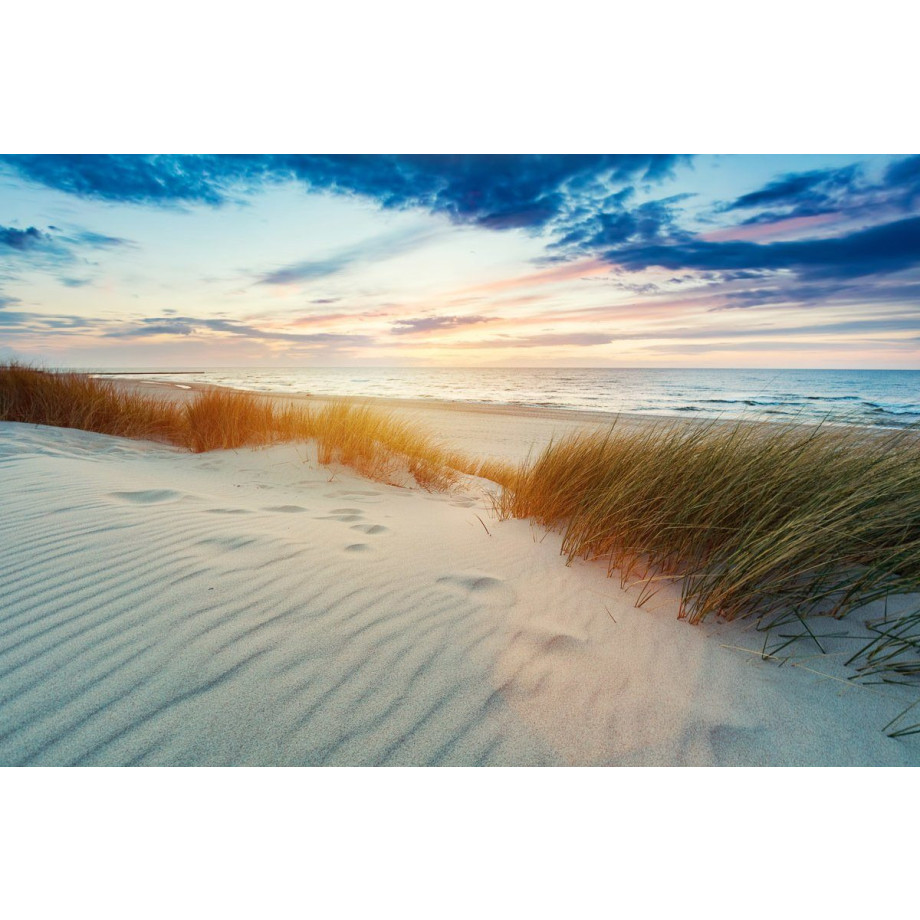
<point>187,326</point>
<point>436,323</point>
<point>98,240</point>
<point>846,191</point>
<point>8,301</point>
<point>496,191</point>
<point>53,250</point>
<point>125,178</point>
<point>21,240</point>
<point>618,224</point>
<point>549,339</point>
<point>902,180</point>
<point>44,322</point>
<point>309,270</point>
<point>822,293</point>
<point>808,192</point>
<point>885,248</point>
<point>375,249</point>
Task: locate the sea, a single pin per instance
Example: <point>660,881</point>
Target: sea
<point>884,398</point>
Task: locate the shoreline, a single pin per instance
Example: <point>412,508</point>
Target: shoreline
<point>495,432</point>
<point>504,432</point>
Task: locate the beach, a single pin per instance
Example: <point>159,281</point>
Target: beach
<point>253,607</point>
<point>500,432</point>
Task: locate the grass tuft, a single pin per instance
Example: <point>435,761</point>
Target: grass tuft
<point>224,419</point>
<point>380,445</point>
<point>750,519</point>
<point>80,401</point>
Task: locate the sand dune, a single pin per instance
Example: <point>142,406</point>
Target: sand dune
<point>252,607</point>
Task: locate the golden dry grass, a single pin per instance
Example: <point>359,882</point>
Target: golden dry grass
<point>750,519</point>
<point>80,401</point>
<point>376,444</point>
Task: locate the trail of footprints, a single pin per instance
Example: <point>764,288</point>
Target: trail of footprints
<point>484,589</point>
<point>353,517</point>
<point>328,650</point>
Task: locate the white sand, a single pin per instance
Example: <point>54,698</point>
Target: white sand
<point>250,607</point>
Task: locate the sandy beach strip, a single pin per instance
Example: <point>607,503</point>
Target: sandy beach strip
<point>494,431</point>
<point>253,607</point>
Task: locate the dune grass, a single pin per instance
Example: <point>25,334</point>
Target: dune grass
<point>224,419</point>
<point>751,520</point>
<point>375,443</point>
<point>79,401</point>
<point>379,445</point>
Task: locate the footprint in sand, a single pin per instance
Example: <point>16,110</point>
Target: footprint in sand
<point>285,509</point>
<point>483,588</point>
<point>562,644</point>
<point>147,497</point>
<point>357,548</point>
<point>371,529</point>
<point>227,511</point>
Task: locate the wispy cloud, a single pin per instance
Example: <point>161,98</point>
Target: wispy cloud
<point>51,249</point>
<point>544,340</point>
<point>436,324</point>
<point>376,249</point>
<point>188,326</point>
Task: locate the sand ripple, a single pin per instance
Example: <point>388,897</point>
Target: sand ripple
<point>164,608</point>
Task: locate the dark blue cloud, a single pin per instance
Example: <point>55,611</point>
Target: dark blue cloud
<point>616,223</point>
<point>815,190</point>
<point>902,180</point>
<point>124,178</point>
<point>885,248</point>
<point>846,190</point>
<point>53,250</point>
<point>21,240</point>
<point>497,191</point>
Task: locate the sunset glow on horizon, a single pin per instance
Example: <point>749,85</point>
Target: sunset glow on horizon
<point>620,261</point>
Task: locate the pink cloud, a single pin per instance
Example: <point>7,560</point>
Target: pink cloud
<point>789,228</point>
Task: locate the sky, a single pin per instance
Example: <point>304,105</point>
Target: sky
<point>568,261</point>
